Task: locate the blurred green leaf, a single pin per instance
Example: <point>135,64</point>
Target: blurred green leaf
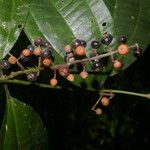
<point>22,128</point>
<point>62,21</point>
<point>13,15</point>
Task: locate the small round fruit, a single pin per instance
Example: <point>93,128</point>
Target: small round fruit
<point>76,43</point>
<point>46,53</point>
<point>138,53</point>
<point>122,39</point>
<point>47,44</point>
<point>4,64</point>
<point>70,77</point>
<point>98,111</point>
<point>80,50</point>
<point>117,64</point>
<point>67,49</point>
<point>37,51</point>
<point>107,39</point>
<point>26,52</point>
<point>97,66</point>
<point>38,41</point>
<point>12,60</point>
<point>95,44</point>
<point>32,76</point>
<point>64,71</point>
<point>84,74</point>
<point>47,62</point>
<point>105,101</point>
<point>30,48</point>
<point>123,49</point>
<point>53,82</point>
<point>83,43</point>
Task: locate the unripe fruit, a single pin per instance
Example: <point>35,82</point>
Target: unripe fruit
<point>26,52</point>
<point>84,74</point>
<point>47,62</point>
<point>64,71</point>
<point>53,82</point>
<point>123,49</point>
<point>37,51</point>
<point>80,50</point>
<point>105,101</point>
<point>70,77</point>
<point>12,60</point>
<point>98,111</point>
<point>117,64</point>
<point>67,49</point>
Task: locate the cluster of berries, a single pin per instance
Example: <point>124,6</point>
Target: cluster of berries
<point>104,100</point>
<point>75,51</point>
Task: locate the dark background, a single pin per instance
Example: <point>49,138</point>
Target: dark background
<point>67,115</point>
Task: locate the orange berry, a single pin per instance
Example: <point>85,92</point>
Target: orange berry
<point>80,50</point>
<point>37,51</point>
<point>117,64</point>
<point>98,111</point>
<point>123,49</point>
<point>84,74</point>
<point>53,82</point>
<point>105,101</point>
<point>70,77</point>
<point>12,60</point>
<point>26,52</point>
<point>47,62</point>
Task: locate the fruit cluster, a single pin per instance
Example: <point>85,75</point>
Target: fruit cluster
<point>104,100</point>
<point>75,53</point>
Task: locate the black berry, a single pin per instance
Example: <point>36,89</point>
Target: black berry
<point>48,45</point>
<point>95,44</point>
<point>97,66</point>
<point>76,43</point>
<point>106,39</point>
<point>4,64</point>
<point>83,43</point>
<point>30,48</point>
<point>138,53</point>
<point>32,76</point>
<point>122,39</point>
<point>46,53</point>
<point>38,41</point>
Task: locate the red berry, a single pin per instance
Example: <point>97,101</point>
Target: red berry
<point>26,52</point>
<point>84,74</point>
<point>123,49</point>
<point>53,82</point>
<point>47,62</point>
<point>70,77</point>
<point>117,64</point>
<point>64,71</point>
<point>12,60</point>
<point>105,101</point>
<point>80,50</point>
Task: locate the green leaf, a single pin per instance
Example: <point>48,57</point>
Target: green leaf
<point>22,128</point>
<point>13,15</point>
<point>62,21</point>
